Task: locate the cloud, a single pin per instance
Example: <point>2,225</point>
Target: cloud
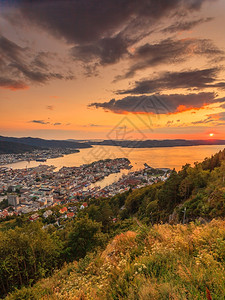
<point>89,20</point>
<point>98,29</point>
<point>40,60</point>
<point>39,122</point>
<point>50,107</point>
<point>169,123</point>
<point>185,25</point>
<point>107,50</point>
<point>95,125</point>
<point>43,122</point>
<point>98,125</point>
<point>169,51</point>
<point>21,67</point>
<point>34,75</point>
<point>198,79</point>
<point>219,117</point>
<point>205,121</point>
<point>158,104</point>
<point>12,84</point>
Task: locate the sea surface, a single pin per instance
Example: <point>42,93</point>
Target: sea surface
<point>174,157</point>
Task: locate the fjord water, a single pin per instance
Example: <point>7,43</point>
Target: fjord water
<point>174,157</point>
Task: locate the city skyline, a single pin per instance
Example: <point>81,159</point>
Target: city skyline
<point>85,69</point>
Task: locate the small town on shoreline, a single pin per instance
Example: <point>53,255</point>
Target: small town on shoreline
<point>27,191</point>
<point>38,155</point>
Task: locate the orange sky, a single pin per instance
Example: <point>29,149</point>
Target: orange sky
<point>46,89</point>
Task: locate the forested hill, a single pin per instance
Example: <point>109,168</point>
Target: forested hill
<point>14,148</point>
<point>42,143</point>
<point>198,190</point>
<point>130,246</point>
<point>157,143</point>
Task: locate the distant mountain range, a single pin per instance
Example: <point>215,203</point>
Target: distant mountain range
<point>156,143</point>
<point>20,145</point>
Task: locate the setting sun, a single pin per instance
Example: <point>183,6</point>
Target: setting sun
<point>211,134</point>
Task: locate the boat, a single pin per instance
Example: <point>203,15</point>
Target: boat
<point>41,159</point>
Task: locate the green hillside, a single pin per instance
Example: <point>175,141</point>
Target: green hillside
<point>164,241</point>
<point>162,262</point>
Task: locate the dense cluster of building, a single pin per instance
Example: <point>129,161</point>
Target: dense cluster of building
<point>38,155</point>
<point>31,189</point>
<point>28,190</point>
<point>137,179</point>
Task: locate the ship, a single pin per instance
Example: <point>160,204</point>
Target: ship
<point>41,159</point>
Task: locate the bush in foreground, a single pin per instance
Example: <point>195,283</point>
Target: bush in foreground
<point>160,262</point>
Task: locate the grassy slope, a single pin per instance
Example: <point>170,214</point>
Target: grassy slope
<point>160,262</point>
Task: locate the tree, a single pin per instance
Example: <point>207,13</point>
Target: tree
<point>222,168</point>
<point>27,254</point>
<point>169,195</point>
<point>84,237</point>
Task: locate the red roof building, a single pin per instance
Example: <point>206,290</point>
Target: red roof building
<point>63,210</point>
<point>70,215</point>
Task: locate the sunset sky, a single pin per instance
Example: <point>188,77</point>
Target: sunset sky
<point>85,69</point>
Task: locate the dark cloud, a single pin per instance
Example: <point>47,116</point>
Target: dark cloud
<point>16,65</point>
<point>185,25</point>
<point>158,104</point>
<point>10,50</point>
<point>12,84</point>
<point>106,50</point>
<point>198,79</point>
<point>205,121</point>
<point>96,125</point>
<point>33,74</point>
<point>169,51</point>
<point>90,20</point>
<point>220,100</point>
<point>99,28</point>
<point>218,116</point>
<point>43,122</point>
<point>39,122</point>
<point>169,123</point>
<point>101,32</point>
<point>40,60</point>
